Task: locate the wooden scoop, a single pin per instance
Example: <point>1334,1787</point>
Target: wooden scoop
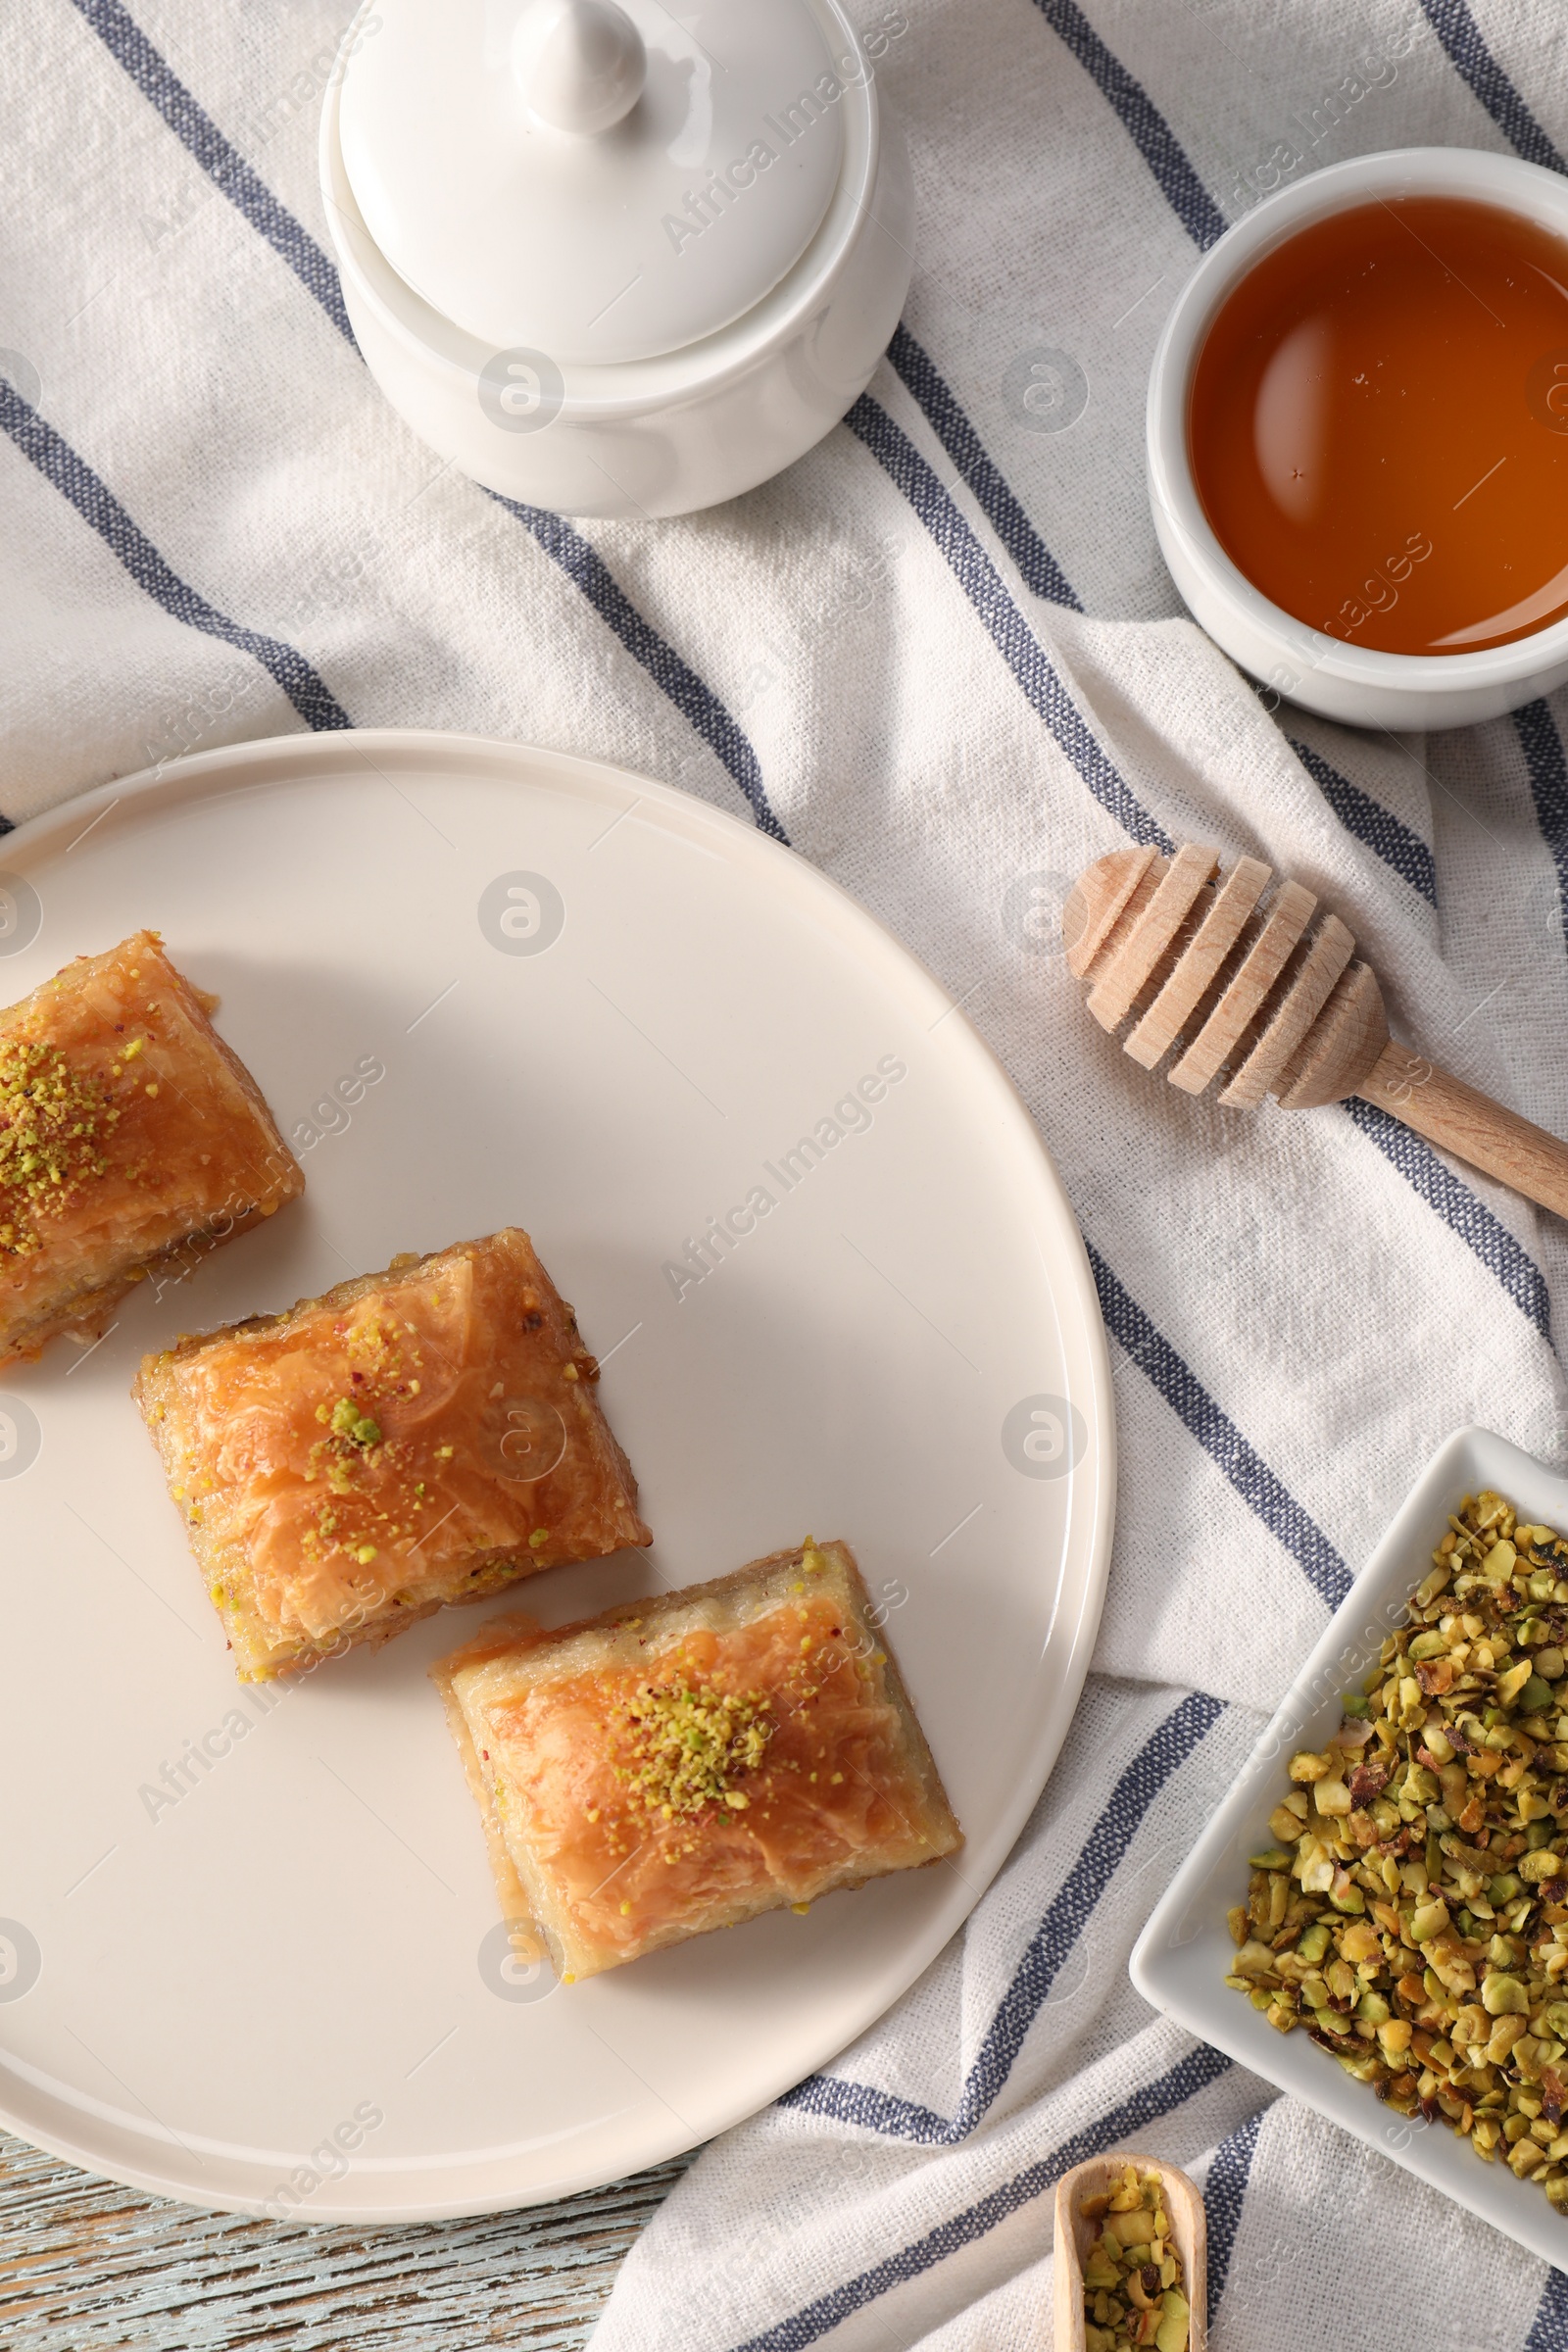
<point>1237,988</point>
<point>1189,2227</point>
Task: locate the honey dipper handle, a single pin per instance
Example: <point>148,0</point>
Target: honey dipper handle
<point>1470,1125</point>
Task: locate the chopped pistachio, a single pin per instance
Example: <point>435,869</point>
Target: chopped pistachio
<point>686,1744</point>
<point>1132,2275</point>
<point>55,1121</point>
<point>1412,1913</point>
<point>347,1421</point>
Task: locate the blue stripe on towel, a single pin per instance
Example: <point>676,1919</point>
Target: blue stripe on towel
<point>692,696</point>
<point>1005,625</point>
<point>1224,2195</point>
<point>1143,122</point>
<point>1193,2074</point>
<point>1458,1208</point>
<point>1064,1921</point>
<point>1247,1472</point>
<point>1548,2332</point>
<point>1371,822</point>
<point>1459,34</point>
<point>97,505</point>
<point>218,157</point>
<point>1548,770</point>
<point>1039,566</point>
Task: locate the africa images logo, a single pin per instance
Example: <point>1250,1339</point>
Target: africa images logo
<point>702,1253</point>
<point>521,390</point>
<point>1045,1436</point>
<point>21,1436</point>
<point>776,133</point>
<point>20,1960</point>
<point>522,913</point>
<point>515,1962</point>
<point>21,914</point>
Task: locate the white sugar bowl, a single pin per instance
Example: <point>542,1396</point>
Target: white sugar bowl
<point>610,259</point>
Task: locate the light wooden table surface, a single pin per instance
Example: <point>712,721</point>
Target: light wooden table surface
<point>89,2267</point>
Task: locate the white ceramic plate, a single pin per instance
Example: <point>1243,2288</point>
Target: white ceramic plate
<point>1180,1960</point>
<point>608,1013</point>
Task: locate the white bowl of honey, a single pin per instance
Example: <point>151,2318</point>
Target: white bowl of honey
<point>1359,439</point>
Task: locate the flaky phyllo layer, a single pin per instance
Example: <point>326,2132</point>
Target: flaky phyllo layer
<point>688,1762</point>
<point>132,1140</point>
<point>416,1436</point>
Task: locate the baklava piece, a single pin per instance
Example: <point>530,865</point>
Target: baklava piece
<point>417,1437</point>
<point>130,1138</point>
<point>687,1763</point>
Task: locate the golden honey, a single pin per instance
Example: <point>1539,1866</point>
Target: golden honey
<point>1378,426</point>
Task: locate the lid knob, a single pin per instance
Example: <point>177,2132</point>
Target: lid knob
<point>581,63</point>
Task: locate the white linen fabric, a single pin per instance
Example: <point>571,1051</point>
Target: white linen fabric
<point>943,659</point>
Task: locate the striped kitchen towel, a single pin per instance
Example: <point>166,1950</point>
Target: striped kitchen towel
<point>942,659</point>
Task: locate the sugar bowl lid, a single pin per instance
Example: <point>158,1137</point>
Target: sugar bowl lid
<point>600,180</point>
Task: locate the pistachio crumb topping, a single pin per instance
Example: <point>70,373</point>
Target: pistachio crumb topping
<point>1412,1912</point>
<point>688,1744</point>
<point>1133,2284</point>
<point>54,1124</point>
<point>347,1421</point>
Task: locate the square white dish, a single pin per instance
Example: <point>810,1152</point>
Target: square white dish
<point>1179,1961</point>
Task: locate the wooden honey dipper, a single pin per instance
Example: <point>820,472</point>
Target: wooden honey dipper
<point>1242,990</point>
